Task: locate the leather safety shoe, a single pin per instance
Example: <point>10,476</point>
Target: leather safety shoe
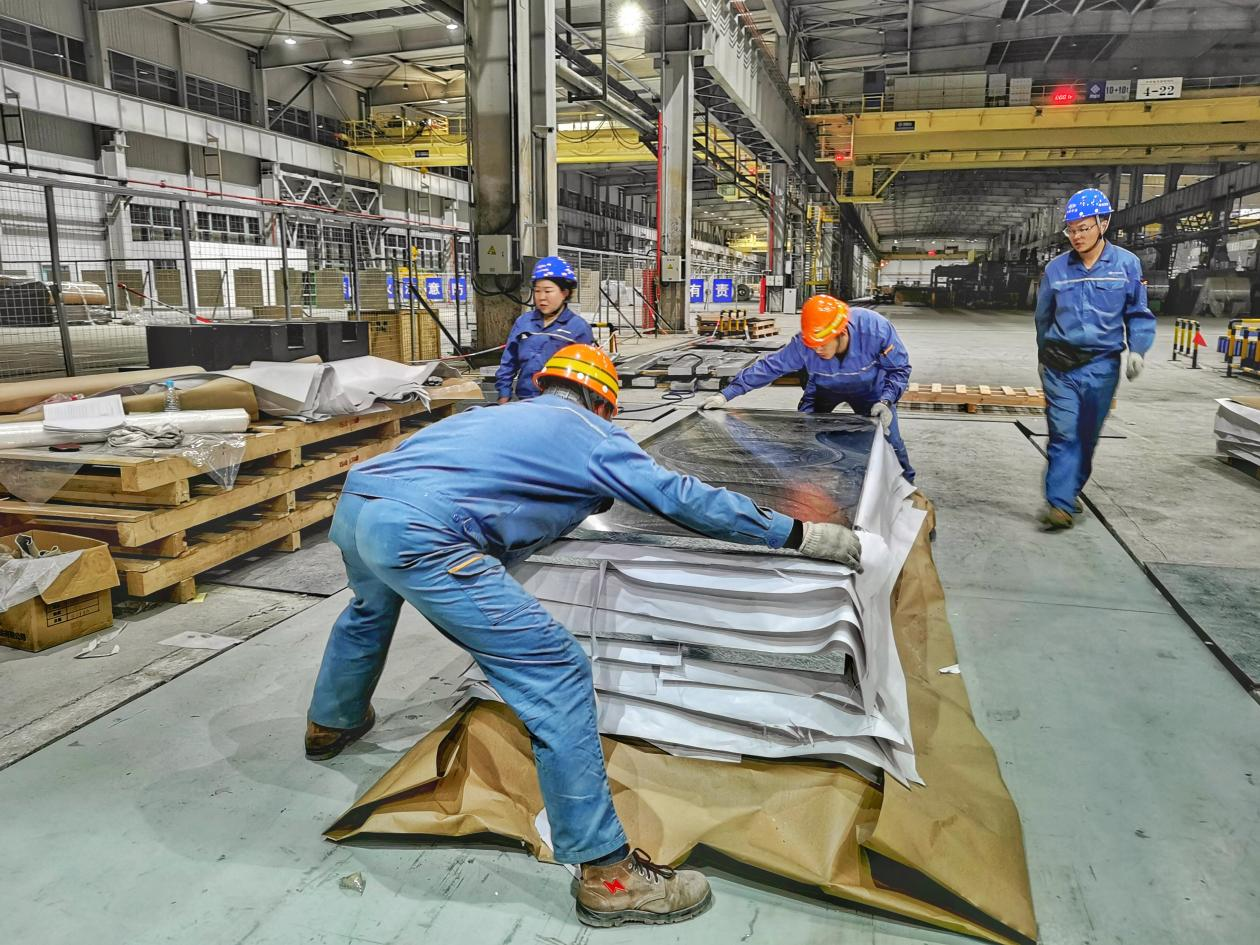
<point>323,742</point>
<point>1055,518</point>
<point>638,890</point>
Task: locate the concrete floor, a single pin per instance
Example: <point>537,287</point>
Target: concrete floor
<point>189,814</point>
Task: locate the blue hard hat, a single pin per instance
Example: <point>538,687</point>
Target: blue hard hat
<point>1086,203</point>
<point>555,269</point>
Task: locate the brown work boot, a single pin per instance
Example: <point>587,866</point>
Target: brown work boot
<point>323,742</point>
<point>638,890</point>
<point>1054,518</point>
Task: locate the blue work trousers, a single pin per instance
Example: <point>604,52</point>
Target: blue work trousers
<point>825,401</point>
<point>1077,403</point>
<point>394,552</point>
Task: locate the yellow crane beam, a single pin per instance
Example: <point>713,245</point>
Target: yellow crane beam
<point>1191,131</point>
<point>606,146</point>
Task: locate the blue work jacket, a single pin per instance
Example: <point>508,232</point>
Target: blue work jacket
<point>876,366</point>
<point>516,477</point>
<point>1095,309</point>
<point>529,345</point>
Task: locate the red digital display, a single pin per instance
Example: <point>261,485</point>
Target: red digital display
<point>1064,95</point>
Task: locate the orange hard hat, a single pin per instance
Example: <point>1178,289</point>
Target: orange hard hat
<point>822,318</point>
<point>587,366</point>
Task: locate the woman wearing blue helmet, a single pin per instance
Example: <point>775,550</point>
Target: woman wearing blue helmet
<point>1090,307</point>
<point>540,333</point>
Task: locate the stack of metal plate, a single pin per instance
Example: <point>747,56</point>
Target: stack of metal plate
<point>1238,429</point>
<point>722,651</point>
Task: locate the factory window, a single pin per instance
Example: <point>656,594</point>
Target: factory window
<point>213,227</point>
<point>41,49</point>
<point>150,223</point>
<point>144,79</point>
<point>327,130</point>
<point>292,121</point>
<point>213,98</point>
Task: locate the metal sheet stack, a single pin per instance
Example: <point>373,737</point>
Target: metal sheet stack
<point>723,651</point>
<point>1238,430</point>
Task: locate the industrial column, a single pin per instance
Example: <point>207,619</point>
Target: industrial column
<point>674,218</point>
<point>510,49</point>
<point>776,238</point>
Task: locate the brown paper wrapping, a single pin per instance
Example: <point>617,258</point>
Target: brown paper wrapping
<point>221,394</point>
<point>948,854</point>
<point>18,395</point>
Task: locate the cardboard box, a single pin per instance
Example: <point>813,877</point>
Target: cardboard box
<point>75,604</point>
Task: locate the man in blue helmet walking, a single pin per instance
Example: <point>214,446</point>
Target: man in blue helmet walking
<point>1090,306</point>
<point>540,333</point>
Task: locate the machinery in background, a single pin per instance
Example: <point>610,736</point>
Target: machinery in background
<point>985,283</point>
<point>1215,290</point>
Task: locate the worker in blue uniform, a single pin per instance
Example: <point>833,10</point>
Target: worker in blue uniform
<point>540,333</point>
<point>437,522</point>
<point>851,356</point>
<point>1091,304</point>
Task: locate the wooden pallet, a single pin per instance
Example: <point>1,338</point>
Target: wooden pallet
<point>750,327</point>
<point>973,398</point>
<point>165,535</point>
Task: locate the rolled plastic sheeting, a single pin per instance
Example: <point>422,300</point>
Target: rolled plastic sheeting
<point>22,435</point>
<point>18,395</point>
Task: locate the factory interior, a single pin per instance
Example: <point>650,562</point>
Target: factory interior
<point>810,450</point>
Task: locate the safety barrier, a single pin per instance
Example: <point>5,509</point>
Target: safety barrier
<point>1241,343</point>
<point>1185,331</point>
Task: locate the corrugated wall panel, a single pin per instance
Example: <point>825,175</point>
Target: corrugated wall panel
<point>142,35</point>
<point>64,17</point>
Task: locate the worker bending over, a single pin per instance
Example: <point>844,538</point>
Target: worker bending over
<point>851,356</point>
<point>437,522</point>
<point>540,333</point>
<point>1091,301</point>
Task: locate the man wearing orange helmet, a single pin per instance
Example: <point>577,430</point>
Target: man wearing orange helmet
<point>436,523</point>
<point>851,356</point>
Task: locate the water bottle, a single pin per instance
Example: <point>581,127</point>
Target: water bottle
<point>172,398</point>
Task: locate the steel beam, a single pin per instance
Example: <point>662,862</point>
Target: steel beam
<point>510,53</point>
<point>1200,197</point>
<point>674,207</point>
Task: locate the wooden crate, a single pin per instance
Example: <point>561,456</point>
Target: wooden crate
<point>166,522</point>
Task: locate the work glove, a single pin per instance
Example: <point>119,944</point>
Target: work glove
<point>832,543</point>
<point>716,402</point>
<point>882,414</point>
<point>1134,368</point>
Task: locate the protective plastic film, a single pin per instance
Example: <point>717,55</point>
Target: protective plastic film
<point>808,466</point>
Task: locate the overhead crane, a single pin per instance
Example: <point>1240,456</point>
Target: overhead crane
<point>1185,131</point>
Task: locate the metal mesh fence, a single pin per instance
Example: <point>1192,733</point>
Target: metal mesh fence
<point>86,268</point>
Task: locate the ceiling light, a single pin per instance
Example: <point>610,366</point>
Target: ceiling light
<point>347,62</point>
<point>630,17</point>
<point>444,101</point>
<point>452,26</point>
<point>290,41</point>
<point>202,2</point>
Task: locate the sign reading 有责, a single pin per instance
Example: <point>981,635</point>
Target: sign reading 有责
<point>1158,88</point>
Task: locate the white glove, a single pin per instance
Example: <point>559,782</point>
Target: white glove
<point>1135,366</point>
<point>716,402</point>
<point>882,414</point>
<point>832,543</point>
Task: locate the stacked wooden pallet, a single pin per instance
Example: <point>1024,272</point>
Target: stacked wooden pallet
<point>166,522</point>
<point>735,322</point>
<point>972,398</point>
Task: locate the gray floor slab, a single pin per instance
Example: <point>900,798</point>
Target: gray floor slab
<point>315,568</point>
<point>1221,602</point>
<point>47,694</point>
<point>1130,751</point>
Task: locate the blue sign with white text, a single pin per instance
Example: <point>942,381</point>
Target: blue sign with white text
<point>459,289</point>
<point>697,291</point>
<point>345,287</point>
<point>723,290</point>
<point>433,288</point>
<point>1095,90</point>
